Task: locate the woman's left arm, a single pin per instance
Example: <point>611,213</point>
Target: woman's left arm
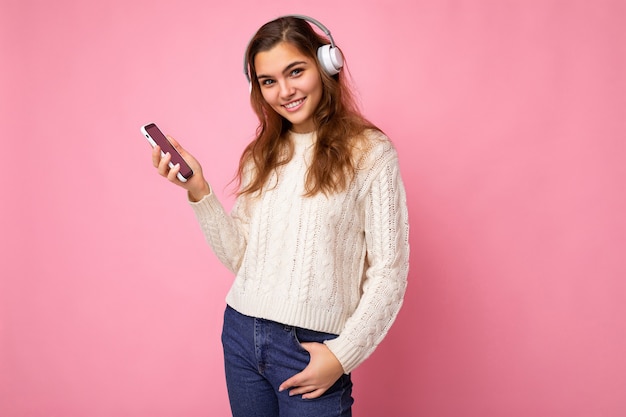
<point>384,286</point>
<point>387,240</point>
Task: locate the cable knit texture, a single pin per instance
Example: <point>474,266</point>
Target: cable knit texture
<point>336,263</point>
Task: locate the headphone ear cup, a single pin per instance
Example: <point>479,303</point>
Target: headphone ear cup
<point>330,58</point>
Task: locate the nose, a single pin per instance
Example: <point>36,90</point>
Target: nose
<point>286,89</point>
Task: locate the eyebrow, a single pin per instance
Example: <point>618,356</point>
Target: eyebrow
<point>287,69</point>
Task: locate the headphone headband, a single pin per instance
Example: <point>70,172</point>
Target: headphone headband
<point>316,23</point>
<point>330,56</point>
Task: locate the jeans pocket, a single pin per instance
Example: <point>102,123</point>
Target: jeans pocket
<point>306,336</point>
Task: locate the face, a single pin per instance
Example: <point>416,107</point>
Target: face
<point>291,84</point>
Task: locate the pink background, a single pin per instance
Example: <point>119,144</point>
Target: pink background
<point>510,120</point>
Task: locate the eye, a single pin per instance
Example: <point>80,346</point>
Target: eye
<point>266,82</point>
<point>296,71</point>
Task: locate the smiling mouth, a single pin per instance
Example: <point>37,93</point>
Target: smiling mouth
<point>294,104</point>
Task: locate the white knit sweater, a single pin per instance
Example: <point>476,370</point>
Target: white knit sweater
<point>336,264</point>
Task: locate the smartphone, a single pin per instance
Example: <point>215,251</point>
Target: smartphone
<point>156,137</point>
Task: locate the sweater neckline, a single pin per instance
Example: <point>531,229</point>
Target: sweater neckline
<point>302,140</point>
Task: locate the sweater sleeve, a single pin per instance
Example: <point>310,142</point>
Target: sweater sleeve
<point>387,261</point>
<point>227,234</point>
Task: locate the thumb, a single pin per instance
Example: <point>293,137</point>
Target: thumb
<point>308,346</point>
<point>174,143</point>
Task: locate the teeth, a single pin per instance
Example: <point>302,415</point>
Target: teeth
<point>293,104</point>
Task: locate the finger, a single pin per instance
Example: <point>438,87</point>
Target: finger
<point>173,174</point>
<point>294,381</point>
<point>303,390</point>
<point>164,167</point>
<point>156,156</point>
<point>315,394</point>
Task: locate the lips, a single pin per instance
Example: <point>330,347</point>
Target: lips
<point>294,105</point>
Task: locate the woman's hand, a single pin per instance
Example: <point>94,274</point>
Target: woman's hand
<point>320,374</point>
<point>196,185</point>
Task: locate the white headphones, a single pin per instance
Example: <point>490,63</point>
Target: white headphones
<point>329,56</point>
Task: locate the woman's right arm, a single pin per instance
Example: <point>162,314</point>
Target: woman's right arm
<point>226,234</point>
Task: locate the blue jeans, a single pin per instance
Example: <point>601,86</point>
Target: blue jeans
<point>261,354</point>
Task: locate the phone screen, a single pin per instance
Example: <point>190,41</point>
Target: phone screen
<point>160,139</point>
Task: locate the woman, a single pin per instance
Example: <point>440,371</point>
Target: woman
<point>318,235</point>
